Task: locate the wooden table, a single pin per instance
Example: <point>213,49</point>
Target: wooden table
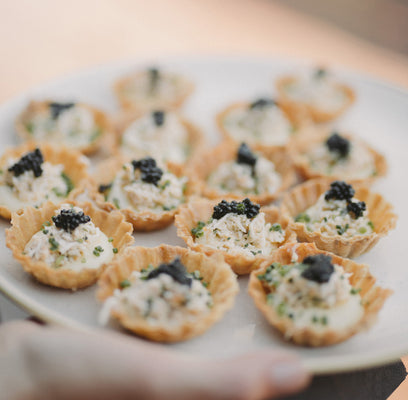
<point>43,39</point>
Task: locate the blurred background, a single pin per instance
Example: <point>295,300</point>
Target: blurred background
<point>44,39</point>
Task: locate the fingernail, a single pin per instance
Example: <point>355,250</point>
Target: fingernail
<point>287,375</point>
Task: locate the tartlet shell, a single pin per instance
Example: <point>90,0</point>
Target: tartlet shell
<point>305,195</point>
<point>222,284</point>
<point>298,148</point>
<point>299,120</point>
<point>25,223</point>
<point>196,138</point>
<point>75,164</point>
<point>373,298</point>
<point>101,120</point>
<point>142,107</point>
<point>296,108</point>
<point>226,151</point>
<point>145,221</point>
<point>201,210</point>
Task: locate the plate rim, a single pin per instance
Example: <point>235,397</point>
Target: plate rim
<point>319,365</point>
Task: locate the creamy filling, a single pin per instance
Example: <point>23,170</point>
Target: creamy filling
<point>160,300</point>
<point>320,92</point>
<point>358,164</point>
<point>86,247</point>
<point>167,142</point>
<point>330,218</point>
<point>244,179</point>
<point>267,125</point>
<point>334,304</point>
<point>74,127</point>
<point>239,234</point>
<point>167,88</point>
<point>17,192</point>
<point>129,191</point>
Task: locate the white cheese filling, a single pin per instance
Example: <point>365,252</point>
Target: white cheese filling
<point>330,218</point>
<point>267,125</point>
<point>334,304</point>
<point>243,179</point>
<point>320,92</point>
<point>358,164</point>
<point>165,90</point>
<point>17,192</point>
<point>86,247</point>
<point>239,234</point>
<point>74,127</point>
<point>167,142</point>
<point>129,191</point>
<point>160,300</point>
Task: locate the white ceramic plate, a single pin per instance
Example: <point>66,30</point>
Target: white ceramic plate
<point>380,116</point>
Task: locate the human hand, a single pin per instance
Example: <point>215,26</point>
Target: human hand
<point>50,363</point>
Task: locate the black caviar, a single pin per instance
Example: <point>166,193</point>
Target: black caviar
<point>338,144</point>
<point>104,188</point>
<point>69,220</point>
<point>154,76</point>
<point>31,161</point>
<point>175,269</point>
<point>356,208</point>
<point>57,109</point>
<point>261,103</point>
<point>319,268</point>
<point>150,172</point>
<point>245,207</point>
<point>339,190</point>
<point>320,73</point>
<point>158,117</point>
<point>245,156</point>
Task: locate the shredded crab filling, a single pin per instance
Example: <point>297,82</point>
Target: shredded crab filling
<point>155,88</point>
<point>166,141</point>
<point>267,125</point>
<point>240,235</point>
<point>128,190</point>
<point>331,218</point>
<point>358,164</point>
<point>244,179</point>
<point>27,189</point>
<point>333,303</point>
<point>318,89</point>
<point>85,247</point>
<point>160,300</point>
<point>73,125</point>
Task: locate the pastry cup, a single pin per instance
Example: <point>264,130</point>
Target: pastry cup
<point>75,164</point>
<point>305,195</point>
<point>201,210</point>
<point>25,223</point>
<point>35,107</point>
<point>143,221</point>
<point>221,281</point>
<point>203,166</point>
<point>372,298</point>
<point>300,147</point>
<point>196,139</point>
<point>299,121</point>
<point>296,108</point>
<point>121,84</point>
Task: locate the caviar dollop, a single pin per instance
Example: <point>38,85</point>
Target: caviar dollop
<point>261,103</point>
<point>69,219</point>
<point>338,144</point>
<point>150,172</point>
<point>56,109</point>
<point>319,268</point>
<point>339,190</point>
<point>245,155</point>
<point>175,269</point>
<point>31,161</point>
<point>158,117</point>
<point>245,207</point>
